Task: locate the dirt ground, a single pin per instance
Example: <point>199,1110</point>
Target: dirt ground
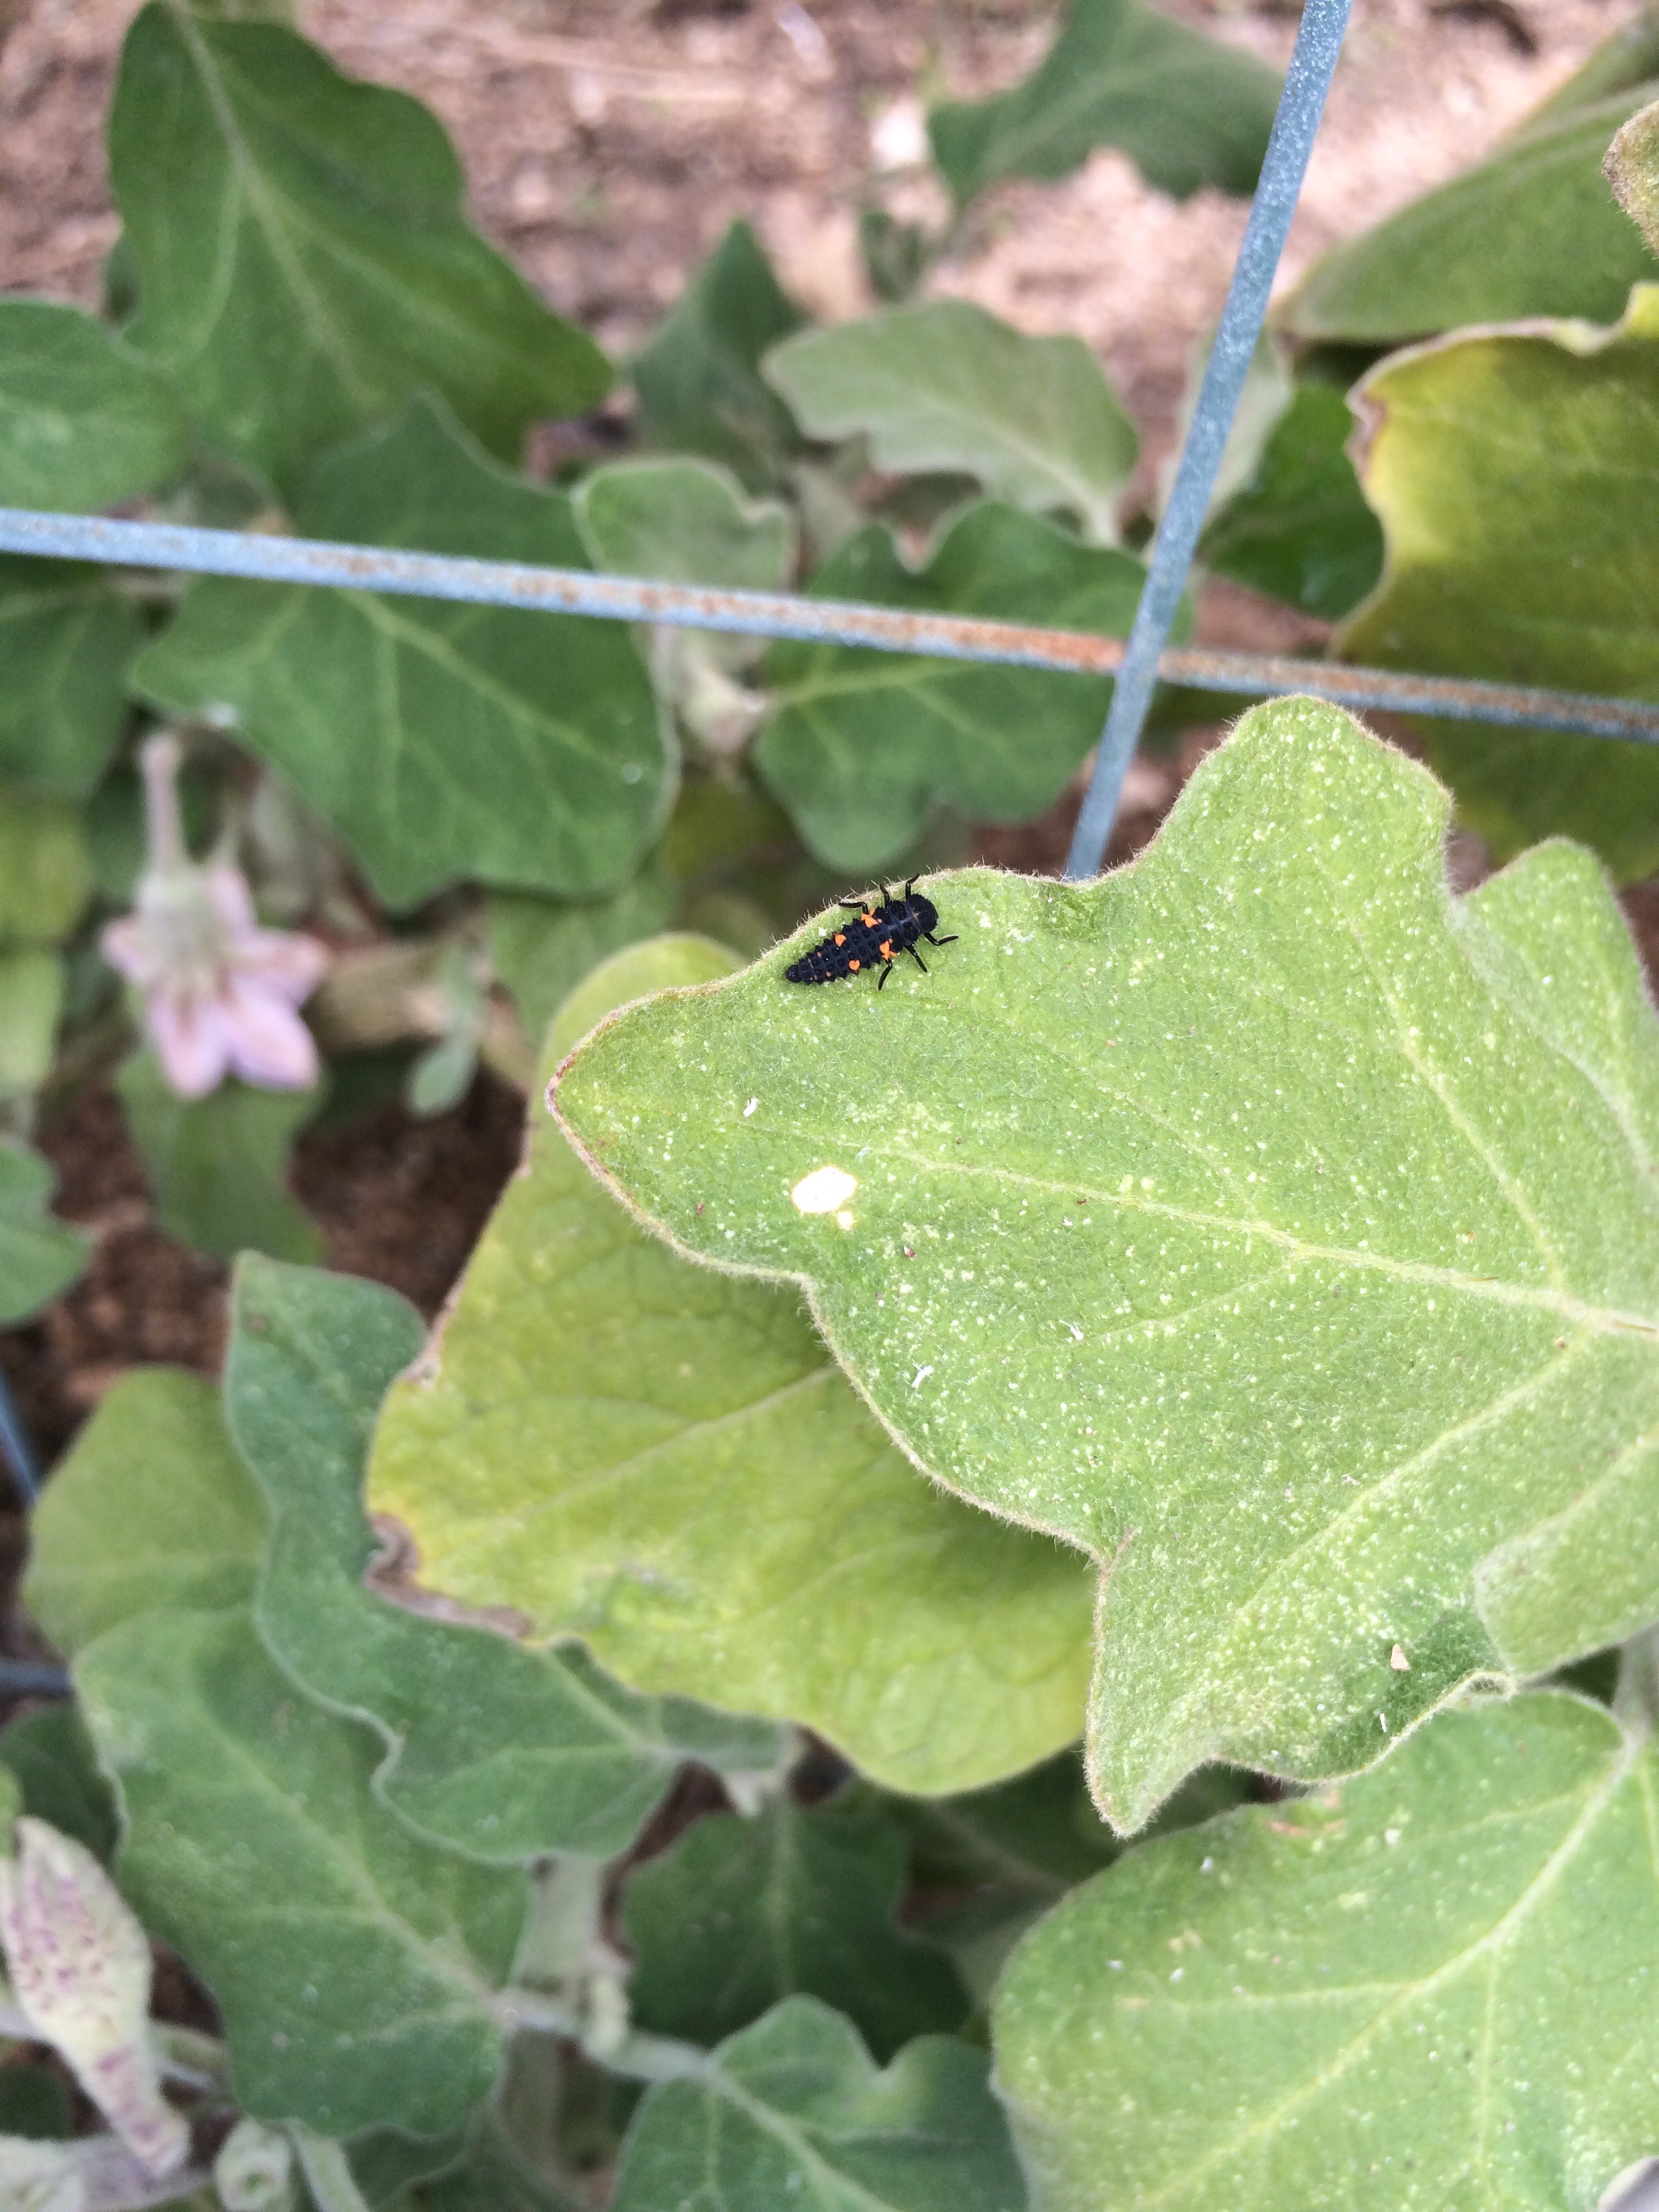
<point>608,143</point>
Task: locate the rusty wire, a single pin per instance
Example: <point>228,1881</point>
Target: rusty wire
<point>815,620</point>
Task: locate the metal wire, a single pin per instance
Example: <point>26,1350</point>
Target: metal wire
<point>1318,42</point>
<point>783,614</point>
<point>16,1448</point>
<point>34,1677</point>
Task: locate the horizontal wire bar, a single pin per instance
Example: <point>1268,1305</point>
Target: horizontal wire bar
<point>34,1677</point>
<point>785,614</point>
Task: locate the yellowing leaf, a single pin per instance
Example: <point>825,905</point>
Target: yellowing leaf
<point>671,1466</point>
<point>1514,473</point>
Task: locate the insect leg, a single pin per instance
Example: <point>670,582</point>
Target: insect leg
<point>917,957</point>
<point>932,939</point>
<point>887,970</point>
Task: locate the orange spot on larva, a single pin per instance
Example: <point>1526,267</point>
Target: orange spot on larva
<point>885,948</point>
<point>868,919</point>
<point>841,937</point>
<point>854,965</point>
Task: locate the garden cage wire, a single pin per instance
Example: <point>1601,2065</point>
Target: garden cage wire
<point>1137,665</point>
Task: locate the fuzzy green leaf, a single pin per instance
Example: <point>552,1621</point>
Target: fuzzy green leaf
<point>218,1165</point>
<point>40,1255</point>
<point>504,1753</point>
<point>793,2112</point>
<point>353,1964</point>
<point>31,1001</point>
<point>1633,168</point>
<point>699,382</point>
<point>1438,1983</point>
<point>1187,111</point>
<point>1255,1218</point>
<point>151,1508</point>
<point>50,1756</point>
<point>440,741</point>
<point>1533,231</point>
<point>45,871</point>
<point>302,260</point>
<point>685,521</point>
<point>861,745</point>
<point>1300,529</point>
<point>1514,473</point>
<point>947,386</point>
<point>669,1465</point>
<point>83,424</point>
<point>66,640</point>
<point>742,1913</point>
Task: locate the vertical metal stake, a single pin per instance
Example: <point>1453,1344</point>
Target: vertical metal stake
<point>1318,43</point>
<point>17,1449</point>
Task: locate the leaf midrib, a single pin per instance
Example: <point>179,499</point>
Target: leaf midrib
<point>1541,1299</point>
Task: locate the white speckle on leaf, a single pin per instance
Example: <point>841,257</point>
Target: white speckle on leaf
<point>1399,1661</point>
<point>826,1190</point>
<point>750,1108</point>
<point>920,1378</point>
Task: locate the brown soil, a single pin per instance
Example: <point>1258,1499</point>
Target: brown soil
<point>609,143</point>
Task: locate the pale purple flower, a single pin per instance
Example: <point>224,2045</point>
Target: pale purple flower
<point>221,994</point>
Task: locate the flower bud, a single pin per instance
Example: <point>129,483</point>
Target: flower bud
<point>80,1967</point>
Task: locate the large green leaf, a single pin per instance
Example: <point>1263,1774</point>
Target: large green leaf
<point>790,1902</point>
<point>699,382</point>
<point>66,639</point>
<point>1632,167</point>
<point>1514,473</point>
<point>504,1753</point>
<point>353,1963</point>
<point>793,2112</point>
<point>862,745</point>
<point>1254,1218</point>
<point>671,1465</point>
<point>440,741</point>
<point>1533,231</point>
<point>218,1165</point>
<point>303,263</point>
<point>1434,1988</point>
<point>1187,111</point>
<point>946,386</point>
<point>83,424</point>
<point>1300,529</point>
<point>45,871</point>
<point>151,1509</point>
<point>40,1255</point>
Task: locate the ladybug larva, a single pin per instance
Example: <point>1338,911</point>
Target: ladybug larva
<point>874,938</point>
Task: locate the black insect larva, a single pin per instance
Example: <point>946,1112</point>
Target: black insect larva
<point>875,939</point>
